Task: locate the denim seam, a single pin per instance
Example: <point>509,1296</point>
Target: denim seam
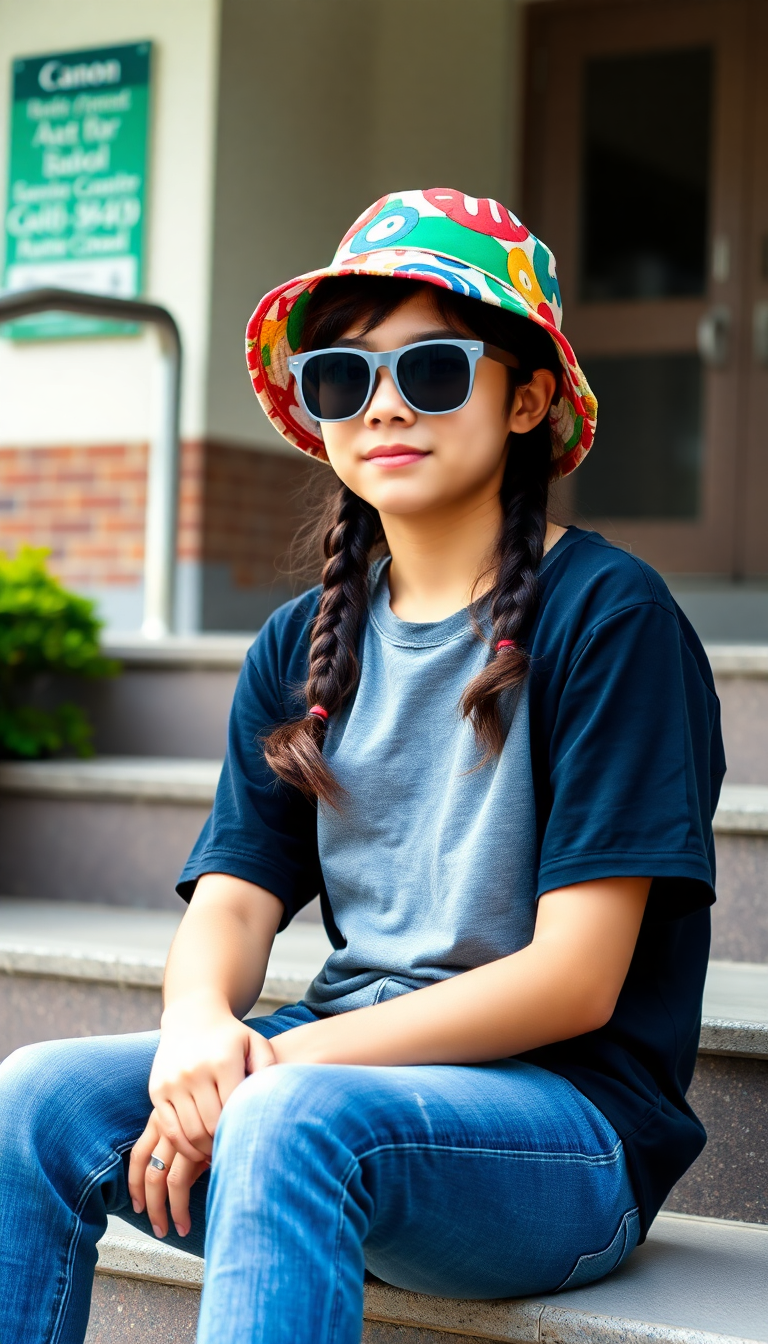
<point>629,1214</point>
<point>598,1159</point>
<point>75,1239</point>
<point>332,1324</point>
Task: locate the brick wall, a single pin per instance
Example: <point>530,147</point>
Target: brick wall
<point>238,510</point>
<point>253,506</point>
<point>85,504</point>
<point>190,519</point>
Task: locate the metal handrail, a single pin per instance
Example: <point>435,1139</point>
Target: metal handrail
<point>163,469</point>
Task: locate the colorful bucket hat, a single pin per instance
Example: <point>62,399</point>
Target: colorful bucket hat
<point>473,247</point>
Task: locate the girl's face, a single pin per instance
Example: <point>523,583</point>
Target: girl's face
<point>441,460</point>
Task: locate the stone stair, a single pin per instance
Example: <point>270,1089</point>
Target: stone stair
<point>91,970</point>
<point>89,853</point>
<point>119,829</point>
<point>694,1281</point>
<point>740,915</point>
<point>741,674</point>
<point>172,698</point>
<point>115,830</point>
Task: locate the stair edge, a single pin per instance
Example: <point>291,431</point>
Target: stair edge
<point>522,1320</point>
<point>738,660</point>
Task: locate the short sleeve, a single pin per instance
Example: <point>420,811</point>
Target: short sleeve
<point>260,829</point>
<point>629,763</point>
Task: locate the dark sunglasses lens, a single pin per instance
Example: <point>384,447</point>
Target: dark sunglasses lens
<point>335,385</point>
<point>434,377</point>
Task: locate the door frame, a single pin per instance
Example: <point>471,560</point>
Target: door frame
<point>560,36</point>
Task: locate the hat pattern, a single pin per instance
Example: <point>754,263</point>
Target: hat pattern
<point>474,247</point>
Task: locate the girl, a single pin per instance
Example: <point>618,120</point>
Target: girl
<point>492,745</point>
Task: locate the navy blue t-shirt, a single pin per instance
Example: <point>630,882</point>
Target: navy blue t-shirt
<point>627,762</point>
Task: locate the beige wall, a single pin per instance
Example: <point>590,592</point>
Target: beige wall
<point>325,105</point>
<point>274,125</point>
<point>99,390</point>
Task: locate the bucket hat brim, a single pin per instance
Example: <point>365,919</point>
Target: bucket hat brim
<point>274,333</point>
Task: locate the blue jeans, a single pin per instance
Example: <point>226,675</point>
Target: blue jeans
<point>468,1181</point>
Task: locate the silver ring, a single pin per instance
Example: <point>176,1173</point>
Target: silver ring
<point>157,1163</point>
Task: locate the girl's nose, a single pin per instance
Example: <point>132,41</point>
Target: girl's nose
<point>386,405</point>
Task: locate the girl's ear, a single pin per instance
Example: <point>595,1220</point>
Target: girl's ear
<point>532,402</point>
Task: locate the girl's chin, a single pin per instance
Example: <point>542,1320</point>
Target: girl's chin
<point>400,501</point>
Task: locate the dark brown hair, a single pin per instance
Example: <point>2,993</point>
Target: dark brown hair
<point>351,529</point>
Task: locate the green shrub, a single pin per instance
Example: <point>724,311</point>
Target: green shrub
<point>43,630</point>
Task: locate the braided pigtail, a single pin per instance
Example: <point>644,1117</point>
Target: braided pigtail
<point>294,750</point>
<point>514,597</point>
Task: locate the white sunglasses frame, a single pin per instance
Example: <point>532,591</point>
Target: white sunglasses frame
<point>388,359</point>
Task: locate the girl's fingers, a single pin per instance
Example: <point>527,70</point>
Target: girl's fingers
<point>181,1178</point>
<point>142,1151</point>
<point>208,1104</point>
<point>156,1187</point>
<point>191,1121</point>
<point>230,1075</point>
<point>260,1052</point>
<point>173,1130</point>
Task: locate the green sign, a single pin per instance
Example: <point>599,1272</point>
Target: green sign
<point>76,185</point>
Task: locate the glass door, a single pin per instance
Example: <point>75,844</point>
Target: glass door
<point>637,177</point>
<point>753,535</point>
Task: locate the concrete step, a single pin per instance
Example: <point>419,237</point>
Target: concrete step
<point>174,694</point>
<point>128,778</point>
<point>119,829</point>
<point>115,830</point>
<point>743,808</point>
<point>172,698</point>
<point>113,945</point>
<point>182,653</point>
<point>694,1281</point>
<point>73,970</point>
<point>76,969</point>
<point>740,916</point>
<point>741,676</point>
<point>729,1093</point>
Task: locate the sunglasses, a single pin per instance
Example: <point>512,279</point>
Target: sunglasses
<point>433,377</point>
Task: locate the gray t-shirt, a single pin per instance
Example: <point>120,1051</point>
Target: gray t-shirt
<point>430,867</point>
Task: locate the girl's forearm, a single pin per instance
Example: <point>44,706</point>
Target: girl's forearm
<point>508,1006</point>
<point>220,953</point>
<point>563,984</point>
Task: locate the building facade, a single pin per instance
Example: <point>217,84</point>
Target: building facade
<point>626,132</point>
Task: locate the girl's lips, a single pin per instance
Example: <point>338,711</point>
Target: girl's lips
<point>395,455</point>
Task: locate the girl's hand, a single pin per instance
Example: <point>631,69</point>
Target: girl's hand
<point>150,1188</point>
<point>204,1054</point>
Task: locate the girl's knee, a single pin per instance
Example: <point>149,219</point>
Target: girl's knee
<point>29,1063</point>
<point>280,1089</point>
<point>62,1080</point>
<point>33,1080</point>
<point>285,1098</point>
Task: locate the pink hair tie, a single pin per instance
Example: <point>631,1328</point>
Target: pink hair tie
<point>506,644</point>
<point>318,711</point>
